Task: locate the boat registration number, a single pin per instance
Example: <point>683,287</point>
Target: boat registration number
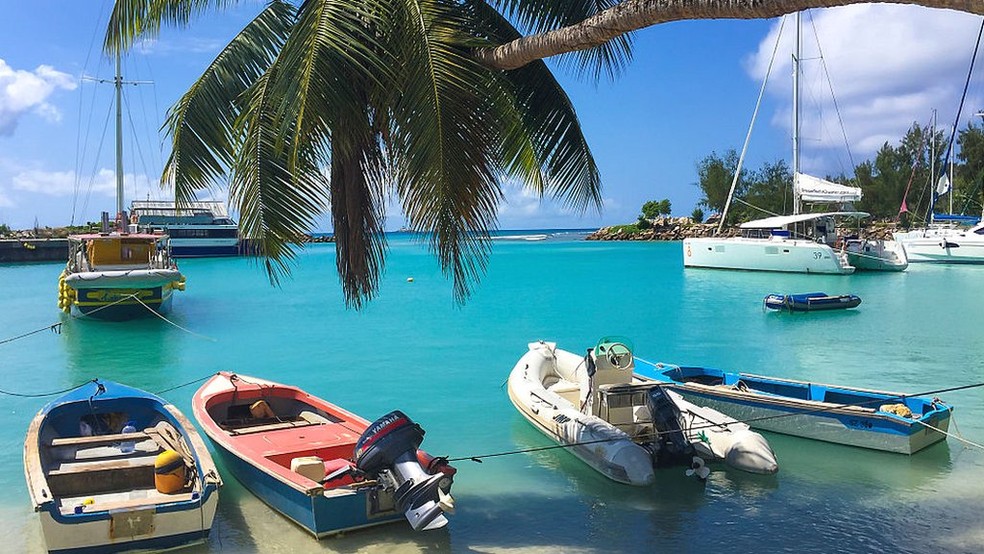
<point>131,524</point>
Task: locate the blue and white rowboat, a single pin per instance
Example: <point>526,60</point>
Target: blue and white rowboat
<point>91,459</point>
<point>880,420</point>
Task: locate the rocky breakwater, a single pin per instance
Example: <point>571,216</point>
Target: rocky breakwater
<point>662,229</point>
<point>679,228</point>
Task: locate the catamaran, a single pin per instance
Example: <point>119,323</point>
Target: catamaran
<point>802,242</point>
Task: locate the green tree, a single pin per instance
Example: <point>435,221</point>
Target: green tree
<point>714,176</point>
<point>769,191</point>
<point>337,105</point>
<point>697,215</point>
<point>653,208</point>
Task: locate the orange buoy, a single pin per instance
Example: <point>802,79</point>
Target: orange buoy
<point>170,473</point>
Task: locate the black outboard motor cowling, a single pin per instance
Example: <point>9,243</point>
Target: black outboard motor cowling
<point>671,445</point>
<point>388,451</point>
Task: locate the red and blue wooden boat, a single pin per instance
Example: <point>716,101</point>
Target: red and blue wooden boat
<point>326,469</point>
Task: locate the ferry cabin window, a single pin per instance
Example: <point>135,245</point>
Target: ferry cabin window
<point>202,233</point>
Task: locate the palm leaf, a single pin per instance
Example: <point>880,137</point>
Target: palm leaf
<point>131,19</point>
<point>448,127</point>
<point>550,123</point>
<point>202,122</point>
<point>275,208</point>
<point>329,66</point>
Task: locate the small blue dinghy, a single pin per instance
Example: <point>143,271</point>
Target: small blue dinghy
<point>811,301</point>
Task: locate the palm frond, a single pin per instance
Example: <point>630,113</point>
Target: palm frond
<point>328,68</point>
<point>202,123</point>
<point>448,126</point>
<point>132,19</point>
<point>276,209</point>
<point>550,124</point>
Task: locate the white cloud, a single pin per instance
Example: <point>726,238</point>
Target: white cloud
<point>522,208</point>
<point>5,201</point>
<point>64,183</point>
<point>186,45</point>
<point>23,91</point>
<point>889,66</point>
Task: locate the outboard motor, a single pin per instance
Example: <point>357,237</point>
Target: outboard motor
<point>670,445</point>
<point>387,451</point>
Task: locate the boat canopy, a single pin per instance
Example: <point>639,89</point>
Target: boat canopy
<point>957,218</point>
<point>781,221</point>
<point>214,208</point>
<point>813,189</point>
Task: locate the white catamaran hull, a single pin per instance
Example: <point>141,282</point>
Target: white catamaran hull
<point>775,254</point>
<point>943,246</point>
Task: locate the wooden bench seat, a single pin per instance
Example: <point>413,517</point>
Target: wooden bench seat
<point>272,427</point>
<point>98,439</point>
<point>78,478</point>
<point>70,468</point>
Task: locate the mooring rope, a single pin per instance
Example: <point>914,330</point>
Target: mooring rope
<point>57,327</point>
<point>54,327</point>
<point>168,321</point>
<point>953,435</point>
<point>94,380</point>
<point>182,385</point>
<point>43,394</point>
<point>656,433</point>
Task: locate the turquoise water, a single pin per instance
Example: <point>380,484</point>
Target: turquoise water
<point>445,365</point>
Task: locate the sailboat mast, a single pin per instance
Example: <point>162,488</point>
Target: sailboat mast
<point>796,121</point>
<point>119,137</point>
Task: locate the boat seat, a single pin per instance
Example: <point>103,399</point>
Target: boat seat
<point>76,478</point>
<point>70,468</point>
<point>245,430</point>
<point>571,392</point>
<point>98,439</point>
<point>561,386</point>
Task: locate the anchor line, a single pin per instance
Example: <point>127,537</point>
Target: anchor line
<point>953,435</point>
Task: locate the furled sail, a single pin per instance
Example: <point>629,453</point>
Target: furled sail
<point>813,189</point>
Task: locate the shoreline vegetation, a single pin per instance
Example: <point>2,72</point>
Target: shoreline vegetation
<point>679,228</point>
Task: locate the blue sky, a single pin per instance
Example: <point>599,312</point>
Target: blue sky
<point>690,90</point>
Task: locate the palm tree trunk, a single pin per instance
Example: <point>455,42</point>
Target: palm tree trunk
<point>631,15</point>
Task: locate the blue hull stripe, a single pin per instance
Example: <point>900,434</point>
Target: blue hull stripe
<point>156,543</point>
<point>320,515</point>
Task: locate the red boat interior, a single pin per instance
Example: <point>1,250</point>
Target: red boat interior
<point>302,441</point>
